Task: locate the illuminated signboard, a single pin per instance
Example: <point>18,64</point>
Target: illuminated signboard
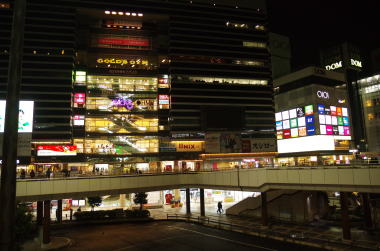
<point>80,76</point>
<point>356,63</point>
<point>59,150</point>
<point>122,61</point>
<point>334,66</point>
<point>119,41</point>
<point>25,116</point>
<point>189,146</point>
<point>120,102</point>
<point>78,120</point>
<point>302,122</point>
<point>163,99</point>
<point>79,98</point>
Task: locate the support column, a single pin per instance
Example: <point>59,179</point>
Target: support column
<point>122,200</point>
<point>59,212</point>
<point>202,201</point>
<point>367,210</point>
<point>264,209</point>
<point>345,218</point>
<point>40,212</point>
<point>46,226</point>
<point>188,211</point>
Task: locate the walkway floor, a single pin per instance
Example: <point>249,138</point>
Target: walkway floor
<point>324,232</point>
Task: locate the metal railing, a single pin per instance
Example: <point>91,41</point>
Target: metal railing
<point>300,237</point>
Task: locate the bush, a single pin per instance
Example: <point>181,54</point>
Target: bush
<point>99,215</point>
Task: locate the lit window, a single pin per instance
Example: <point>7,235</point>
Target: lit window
<point>254,44</point>
<point>371,116</point>
<point>80,76</point>
<point>5,5</point>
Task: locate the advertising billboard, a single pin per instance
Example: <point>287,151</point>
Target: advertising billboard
<point>58,150</point>
<point>25,116</point>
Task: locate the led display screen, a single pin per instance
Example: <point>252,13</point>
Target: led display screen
<point>302,121</point>
<point>25,116</point>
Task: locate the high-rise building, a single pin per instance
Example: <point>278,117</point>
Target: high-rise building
<point>120,85</point>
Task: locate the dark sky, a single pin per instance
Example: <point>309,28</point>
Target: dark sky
<point>312,24</point>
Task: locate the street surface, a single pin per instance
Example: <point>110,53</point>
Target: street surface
<point>166,236</point>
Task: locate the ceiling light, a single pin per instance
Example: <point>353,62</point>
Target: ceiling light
<point>107,12</point>
<point>134,14</point>
<point>140,14</point>
<point>121,13</point>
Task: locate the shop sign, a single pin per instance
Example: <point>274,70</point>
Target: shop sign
<point>263,145</point>
<point>334,66</point>
<point>323,94</point>
<point>122,61</point>
<point>163,99</point>
<point>212,142</point>
<point>120,102</point>
<point>79,98</point>
<point>59,150</point>
<point>118,41</point>
<point>189,146</point>
<point>356,63</point>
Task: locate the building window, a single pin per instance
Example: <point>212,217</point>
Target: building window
<point>254,44</point>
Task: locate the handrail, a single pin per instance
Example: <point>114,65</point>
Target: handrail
<point>90,176</point>
<point>269,233</point>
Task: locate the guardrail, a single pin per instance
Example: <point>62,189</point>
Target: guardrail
<point>298,237</point>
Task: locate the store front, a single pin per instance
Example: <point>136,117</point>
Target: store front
<point>343,159</point>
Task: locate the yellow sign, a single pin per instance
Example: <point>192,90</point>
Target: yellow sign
<point>188,146</point>
<point>121,61</point>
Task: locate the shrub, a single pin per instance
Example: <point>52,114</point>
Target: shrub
<point>137,213</point>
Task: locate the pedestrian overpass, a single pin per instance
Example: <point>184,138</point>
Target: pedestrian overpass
<point>320,178</point>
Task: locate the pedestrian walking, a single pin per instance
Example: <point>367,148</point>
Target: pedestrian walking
<point>48,173</point>
<point>23,174</point>
<point>220,208</point>
<point>32,174</point>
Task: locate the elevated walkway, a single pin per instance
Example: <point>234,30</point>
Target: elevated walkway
<point>362,179</point>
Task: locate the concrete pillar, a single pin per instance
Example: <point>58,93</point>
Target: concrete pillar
<point>202,201</point>
<point>59,211</point>
<point>367,210</point>
<point>40,212</point>
<point>264,209</point>
<point>122,200</point>
<point>46,226</point>
<point>188,210</point>
<point>345,218</point>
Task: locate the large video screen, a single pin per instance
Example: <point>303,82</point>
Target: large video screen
<point>25,116</point>
<point>309,120</point>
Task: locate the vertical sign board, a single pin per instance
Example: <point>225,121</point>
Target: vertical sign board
<point>25,127</point>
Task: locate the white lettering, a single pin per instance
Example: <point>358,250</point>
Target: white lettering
<point>356,63</point>
<point>322,94</point>
<point>334,66</point>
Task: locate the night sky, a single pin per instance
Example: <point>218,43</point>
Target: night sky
<point>312,24</point>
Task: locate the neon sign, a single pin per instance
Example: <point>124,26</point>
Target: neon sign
<point>323,94</point>
<point>121,61</point>
<point>334,66</point>
<point>120,102</point>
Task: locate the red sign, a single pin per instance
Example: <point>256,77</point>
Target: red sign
<point>58,150</point>
<point>123,41</point>
<point>79,98</point>
<point>286,133</point>
<point>163,99</point>
<point>246,145</point>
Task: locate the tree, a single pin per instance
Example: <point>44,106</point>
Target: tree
<point>140,198</point>
<point>94,202</point>
<point>24,228</point>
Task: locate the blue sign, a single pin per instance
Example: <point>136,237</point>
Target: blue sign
<point>321,109</point>
<point>278,125</point>
<point>310,120</point>
<point>345,121</point>
<point>310,130</point>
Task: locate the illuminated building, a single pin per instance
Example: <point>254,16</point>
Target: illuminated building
<point>145,81</point>
<point>313,118</point>
<point>370,97</point>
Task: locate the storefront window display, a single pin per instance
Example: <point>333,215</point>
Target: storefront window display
<point>122,124</point>
<point>122,145</point>
<point>123,103</point>
<point>121,84</point>
<point>314,160</point>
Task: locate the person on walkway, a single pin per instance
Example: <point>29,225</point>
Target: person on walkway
<point>32,174</point>
<point>220,208</point>
<point>48,173</point>
<point>23,174</point>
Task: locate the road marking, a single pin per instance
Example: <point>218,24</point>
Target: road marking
<point>226,239</point>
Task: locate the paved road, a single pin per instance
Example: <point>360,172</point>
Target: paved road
<point>166,236</point>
